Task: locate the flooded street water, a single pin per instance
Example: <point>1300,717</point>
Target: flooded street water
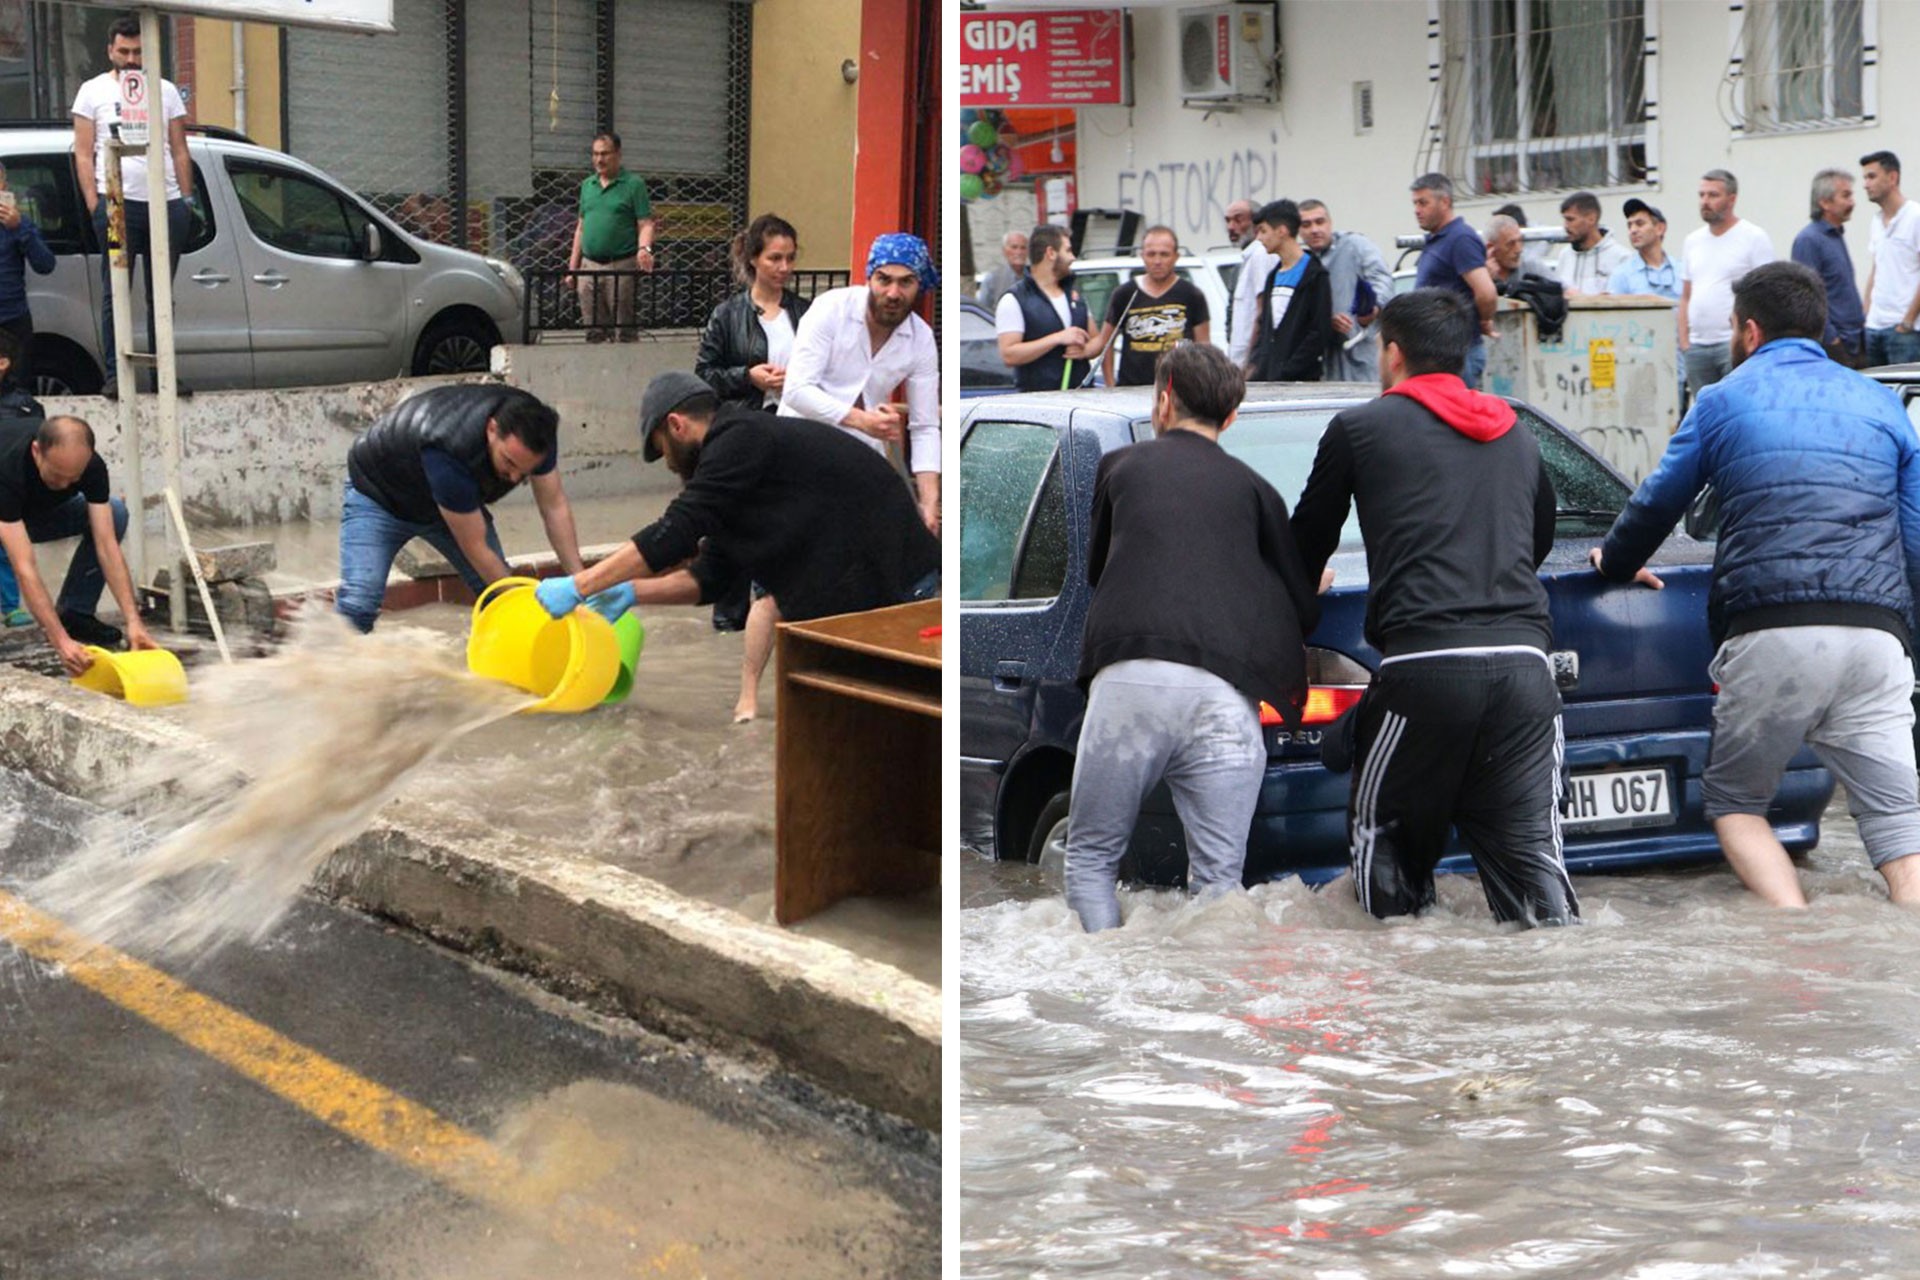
<point>1691,1086</point>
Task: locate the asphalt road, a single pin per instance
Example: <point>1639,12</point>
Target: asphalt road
<point>345,1100</point>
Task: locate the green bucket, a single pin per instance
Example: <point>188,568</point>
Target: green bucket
<point>632,637</point>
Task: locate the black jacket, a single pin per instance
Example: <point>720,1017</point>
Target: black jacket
<point>385,463</point>
<point>1192,561</point>
<point>1456,510</point>
<point>1293,352</point>
<point>733,342</point>
<point>821,521</point>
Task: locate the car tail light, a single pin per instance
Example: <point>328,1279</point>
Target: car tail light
<point>1334,683</point>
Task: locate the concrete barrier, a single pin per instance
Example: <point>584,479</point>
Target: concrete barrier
<point>271,457</point>
<point>854,1027</point>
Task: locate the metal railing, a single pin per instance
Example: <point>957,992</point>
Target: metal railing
<point>644,300</point>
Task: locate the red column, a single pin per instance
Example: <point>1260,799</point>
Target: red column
<point>897,133</point>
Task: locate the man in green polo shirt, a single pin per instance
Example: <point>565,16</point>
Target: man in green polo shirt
<point>614,233</point>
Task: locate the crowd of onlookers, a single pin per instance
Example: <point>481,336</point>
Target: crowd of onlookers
<point>1307,298</point>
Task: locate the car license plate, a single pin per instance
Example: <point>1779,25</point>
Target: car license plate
<point>1608,799</point>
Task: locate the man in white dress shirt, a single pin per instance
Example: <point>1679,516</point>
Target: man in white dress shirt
<point>857,346</point>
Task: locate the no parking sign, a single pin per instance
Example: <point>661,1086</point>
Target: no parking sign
<point>133,107</point>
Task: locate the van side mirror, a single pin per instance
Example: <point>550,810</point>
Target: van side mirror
<point>375,247</point>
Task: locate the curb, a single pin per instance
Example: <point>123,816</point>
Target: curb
<point>855,1027</point>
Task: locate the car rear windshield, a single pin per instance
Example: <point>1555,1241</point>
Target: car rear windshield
<point>1280,444</point>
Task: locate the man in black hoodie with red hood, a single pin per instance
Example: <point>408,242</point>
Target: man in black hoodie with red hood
<point>1461,726</point>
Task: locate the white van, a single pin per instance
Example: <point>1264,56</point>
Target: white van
<point>287,278</point>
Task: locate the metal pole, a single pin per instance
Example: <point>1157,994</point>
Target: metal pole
<point>160,265</point>
<point>120,284</point>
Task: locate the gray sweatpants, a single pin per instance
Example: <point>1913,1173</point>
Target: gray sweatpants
<point>1847,692</point>
<point>1147,720</point>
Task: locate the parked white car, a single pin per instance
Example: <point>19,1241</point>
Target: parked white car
<point>287,278</point>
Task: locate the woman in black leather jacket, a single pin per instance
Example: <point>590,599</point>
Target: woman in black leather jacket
<point>743,357</point>
<point>744,349</point>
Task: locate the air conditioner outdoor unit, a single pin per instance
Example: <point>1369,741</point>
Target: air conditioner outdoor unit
<point>1227,55</point>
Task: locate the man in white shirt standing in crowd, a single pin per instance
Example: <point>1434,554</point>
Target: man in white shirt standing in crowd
<point>96,112</point>
<point>1256,264</point>
<point>1893,279</point>
<point>1711,260</point>
<point>1043,326</point>
<point>1592,254</point>
<point>856,346</point>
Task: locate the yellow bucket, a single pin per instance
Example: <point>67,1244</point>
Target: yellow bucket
<point>144,677</point>
<point>632,636</point>
<point>569,663</point>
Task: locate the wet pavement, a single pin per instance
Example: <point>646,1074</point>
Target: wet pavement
<point>1692,1086</point>
<point>125,1152</point>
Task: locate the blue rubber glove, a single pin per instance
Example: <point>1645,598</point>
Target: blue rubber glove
<point>612,602</point>
<point>558,596</point>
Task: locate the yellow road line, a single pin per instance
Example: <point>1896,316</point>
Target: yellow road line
<point>367,1112</point>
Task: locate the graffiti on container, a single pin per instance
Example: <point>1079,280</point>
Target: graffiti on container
<point>1192,196</point>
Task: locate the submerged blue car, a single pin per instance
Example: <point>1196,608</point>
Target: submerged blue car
<point>1631,662</point>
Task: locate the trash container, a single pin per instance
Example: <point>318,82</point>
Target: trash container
<point>1611,375</point>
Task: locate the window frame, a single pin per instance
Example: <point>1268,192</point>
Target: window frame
<point>1053,477</point>
<point>1756,73</point>
<point>1456,31</point>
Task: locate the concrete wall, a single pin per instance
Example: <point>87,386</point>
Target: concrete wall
<point>802,144</point>
<point>250,457</point>
<point>1183,166</point>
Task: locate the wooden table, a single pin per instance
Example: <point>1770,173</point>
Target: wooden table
<point>857,763</point>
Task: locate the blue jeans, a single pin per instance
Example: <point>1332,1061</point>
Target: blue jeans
<point>80,593</point>
<point>139,238</point>
<point>1476,362</point>
<point>371,536</point>
<point>1885,346</point>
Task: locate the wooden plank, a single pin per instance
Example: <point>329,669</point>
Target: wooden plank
<point>870,691</point>
<point>887,633</point>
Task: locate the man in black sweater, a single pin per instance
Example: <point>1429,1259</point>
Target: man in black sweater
<point>1199,605</point>
<point>1461,727</point>
<point>821,521</point>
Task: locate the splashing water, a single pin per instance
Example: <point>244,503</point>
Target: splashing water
<point>197,849</point>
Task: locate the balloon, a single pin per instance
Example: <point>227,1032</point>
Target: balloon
<point>968,115</point>
<point>970,186</point>
<point>997,159</point>
<point>989,185</point>
<point>983,134</point>
<point>972,159</point>
<point>1015,167</point>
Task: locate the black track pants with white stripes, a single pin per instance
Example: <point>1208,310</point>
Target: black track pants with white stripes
<point>1465,740</point>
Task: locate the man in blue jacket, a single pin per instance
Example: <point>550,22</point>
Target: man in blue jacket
<point>1814,580</point>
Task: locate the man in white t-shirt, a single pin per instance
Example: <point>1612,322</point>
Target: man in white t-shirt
<point>96,113</point>
<point>1044,331</point>
<point>1711,261</point>
<point>1893,279</point>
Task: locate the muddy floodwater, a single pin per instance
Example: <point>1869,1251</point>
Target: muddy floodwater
<point>664,785</point>
<point>1690,1086</point>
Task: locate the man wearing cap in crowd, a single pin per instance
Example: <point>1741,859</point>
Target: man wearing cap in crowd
<point>1647,269</point>
<point>856,346</point>
<point>804,509</point>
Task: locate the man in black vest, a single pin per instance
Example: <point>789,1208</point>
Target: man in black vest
<point>1042,321</point>
<point>804,509</point>
<point>427,469</point>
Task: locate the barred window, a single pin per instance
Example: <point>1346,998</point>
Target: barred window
<point>1802,64</point>
<point>1543,95</point>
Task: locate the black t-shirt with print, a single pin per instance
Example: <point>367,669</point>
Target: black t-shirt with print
<point>1152,325</point>
<point>23,494</point>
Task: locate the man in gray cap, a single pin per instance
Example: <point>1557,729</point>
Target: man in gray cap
<point>819,520</point>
